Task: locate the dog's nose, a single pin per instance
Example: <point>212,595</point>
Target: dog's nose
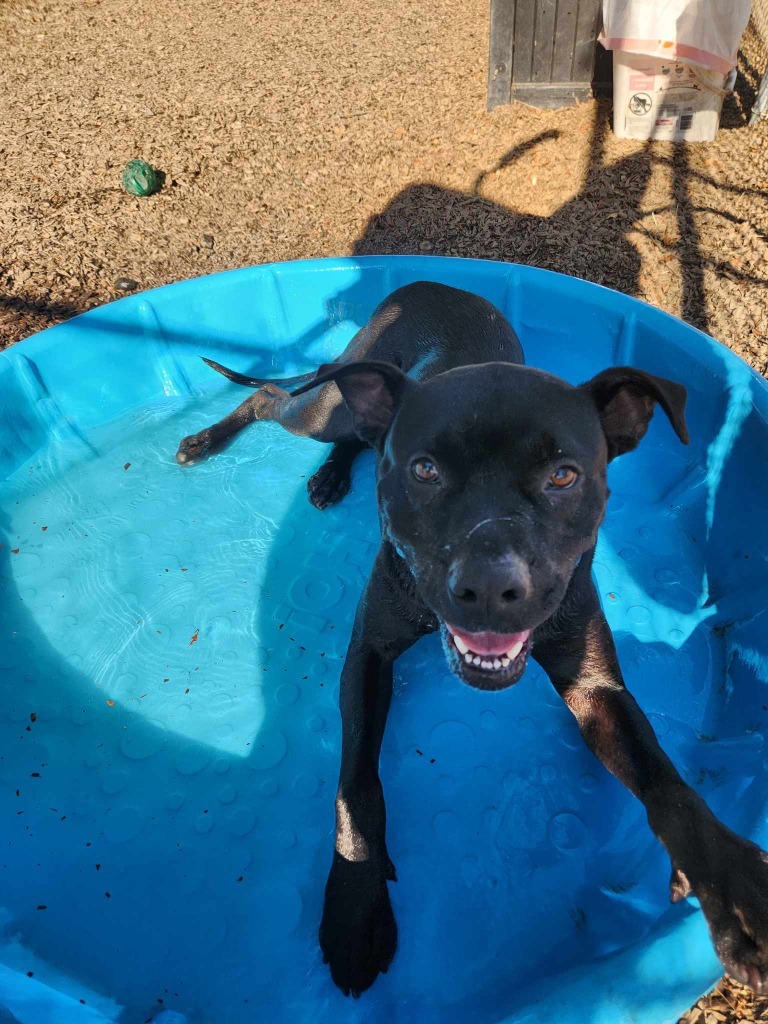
<point>489,585</point>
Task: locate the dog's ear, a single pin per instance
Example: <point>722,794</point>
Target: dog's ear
<point>371,391</point>
<point>626,398</point>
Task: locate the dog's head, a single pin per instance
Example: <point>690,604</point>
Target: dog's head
<point>492,485</point>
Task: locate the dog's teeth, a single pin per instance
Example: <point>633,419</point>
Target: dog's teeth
<point>487,664</point>
<point>513,652</point>
<point>505,662</point>
<point>468,658</point>
<point>496,664</point>
<point>462,647</point>
<point>476,660</point>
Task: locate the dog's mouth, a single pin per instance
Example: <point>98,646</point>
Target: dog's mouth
<point>487,661</point>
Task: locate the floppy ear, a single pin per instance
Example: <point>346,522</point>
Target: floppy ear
<point>371,391</point>
<point>626,398</point>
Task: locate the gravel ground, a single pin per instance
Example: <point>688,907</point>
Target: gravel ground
<point>310,129</point>
<point>307,129</point>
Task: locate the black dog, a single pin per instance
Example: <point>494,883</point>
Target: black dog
<point>491,489</point>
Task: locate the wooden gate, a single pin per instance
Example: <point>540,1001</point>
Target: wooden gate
<point>542,52</point>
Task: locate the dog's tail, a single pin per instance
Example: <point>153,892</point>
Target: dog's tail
<point>256,382</point>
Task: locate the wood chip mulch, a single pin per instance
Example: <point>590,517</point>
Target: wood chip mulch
<point>308,129</point>
<point>728,1002</point>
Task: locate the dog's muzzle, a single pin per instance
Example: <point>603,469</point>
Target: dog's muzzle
<point>487,661</point>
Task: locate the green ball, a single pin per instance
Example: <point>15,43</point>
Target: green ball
<point>139,178</point>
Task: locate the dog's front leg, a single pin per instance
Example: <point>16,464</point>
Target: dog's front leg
<point>727,873</point>
<point>358,934</point>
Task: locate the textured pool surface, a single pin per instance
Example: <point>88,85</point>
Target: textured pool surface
<point>170,648</point>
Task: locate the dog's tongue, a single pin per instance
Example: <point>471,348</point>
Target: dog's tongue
<point>491,643</point>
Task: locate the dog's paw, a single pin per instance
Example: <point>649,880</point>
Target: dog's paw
<point>194,448</point>
<point>734,898</point>
<point>328,485</point>
<point>358,933</point>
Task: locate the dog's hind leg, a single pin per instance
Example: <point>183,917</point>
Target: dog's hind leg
<point>331,482</point>
<point>319,414</point>
<point>198,446</point>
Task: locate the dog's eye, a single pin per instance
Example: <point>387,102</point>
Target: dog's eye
<point>563,478</point>
<point>425,471</point>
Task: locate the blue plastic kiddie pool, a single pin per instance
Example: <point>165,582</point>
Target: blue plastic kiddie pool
<point>170,648</point>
